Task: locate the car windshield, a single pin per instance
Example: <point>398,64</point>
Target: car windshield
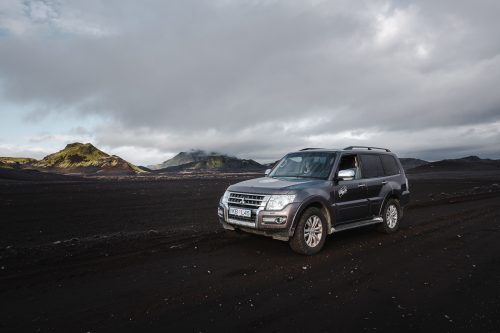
<point>305,165</point>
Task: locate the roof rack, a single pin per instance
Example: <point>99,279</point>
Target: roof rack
<point>310,149</point>
<point>365,147</point>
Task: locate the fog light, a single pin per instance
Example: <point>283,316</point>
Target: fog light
<point>220,212</point>
<point>274,219</point>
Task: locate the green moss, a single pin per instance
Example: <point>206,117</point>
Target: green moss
<point>215,162</point>
<point>5,166</point>
<point>75,155</point>
<point>135,168</point>
<point>79,155</point>
<point>17,160</point>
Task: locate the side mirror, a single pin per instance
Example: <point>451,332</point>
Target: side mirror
<point>347,174</point>
<point>267,172</point>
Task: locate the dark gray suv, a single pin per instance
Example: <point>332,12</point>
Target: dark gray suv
<point>314,192</point>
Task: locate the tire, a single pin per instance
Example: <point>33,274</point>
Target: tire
<point>391,214</point>
<point>309,242</point>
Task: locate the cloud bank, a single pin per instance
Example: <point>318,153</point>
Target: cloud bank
<point>259,78</point>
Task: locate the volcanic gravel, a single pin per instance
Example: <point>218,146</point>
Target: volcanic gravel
<point>100,255</point>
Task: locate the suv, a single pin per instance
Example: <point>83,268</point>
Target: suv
<point>314,192</point>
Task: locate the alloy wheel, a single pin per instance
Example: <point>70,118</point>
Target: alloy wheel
<point>313,231</point>
<point>391,216</point>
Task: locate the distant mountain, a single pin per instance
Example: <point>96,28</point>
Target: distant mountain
<point>4,165</point>
<point>182,158</point>
<point>198,160</point>
<point>410,163</point>
<point>16,162</point>
<point>79,158</point>
<point>473,158</point>
<point>469,163</point>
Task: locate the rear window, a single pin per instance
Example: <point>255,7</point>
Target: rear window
<point>390,165</point>
<point>371,166</point>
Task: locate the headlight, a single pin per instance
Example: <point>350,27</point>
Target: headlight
<point>225,197</point>
<point>278,202</point>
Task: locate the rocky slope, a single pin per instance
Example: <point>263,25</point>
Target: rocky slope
<point>200,161</point>
<point>182,158</point>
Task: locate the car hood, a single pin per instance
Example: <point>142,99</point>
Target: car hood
<point>268,185</point>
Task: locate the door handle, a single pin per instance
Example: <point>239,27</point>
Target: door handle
<point>384,182</point>
<point>361,185</point>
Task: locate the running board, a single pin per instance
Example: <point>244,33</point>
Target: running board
<point>353,225</point>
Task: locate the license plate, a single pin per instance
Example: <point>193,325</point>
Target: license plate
<point>240,212</point>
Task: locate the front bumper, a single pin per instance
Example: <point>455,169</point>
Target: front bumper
<point>276,224</point>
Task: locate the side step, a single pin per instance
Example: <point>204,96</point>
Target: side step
<point>353,225</point>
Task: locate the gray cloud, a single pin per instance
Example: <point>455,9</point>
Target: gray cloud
<point>261,77</point>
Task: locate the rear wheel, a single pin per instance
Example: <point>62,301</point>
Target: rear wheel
<point>310,234</point>
<point>392,215</point>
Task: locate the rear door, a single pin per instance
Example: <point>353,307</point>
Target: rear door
<point>374,177</point>
<point>350,195</point>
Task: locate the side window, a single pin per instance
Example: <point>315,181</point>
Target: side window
<point>371,166</point>
<point>390,165</point>
<point>350,162</point>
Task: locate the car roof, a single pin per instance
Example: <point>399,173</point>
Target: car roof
<point>369,150</point>
<point>318,149</point>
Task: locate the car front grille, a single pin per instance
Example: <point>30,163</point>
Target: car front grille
<point>254,202</point>
<point>247,200</point>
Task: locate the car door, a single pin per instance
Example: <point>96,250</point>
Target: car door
<point>350,196</point>
<point>373,174</point>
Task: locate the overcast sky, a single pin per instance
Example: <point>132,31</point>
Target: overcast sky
<point>255,79</point>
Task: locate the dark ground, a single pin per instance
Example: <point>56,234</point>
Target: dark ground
<point>149,255</point>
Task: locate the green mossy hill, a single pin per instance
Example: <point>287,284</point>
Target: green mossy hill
<point>16,162</point>
<point>5,166</point>
<point>229,162</point>
<point>201,160</point>
<point>79,155</point>
<point>219,163</point>
<point>181,159</point>
<point>216,162</point>
<point>75,155</point>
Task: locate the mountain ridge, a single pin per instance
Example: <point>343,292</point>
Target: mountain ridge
<point>198,160</point>
<point>86,159</point>
<point>182,158</point>
<point>469,163</point>
<point>410,162</point>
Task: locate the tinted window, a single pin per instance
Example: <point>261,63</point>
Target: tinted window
<point>390,165</point>
<point>371,166</point>
<point>350,162</point>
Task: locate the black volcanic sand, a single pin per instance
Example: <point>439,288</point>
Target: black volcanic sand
<point>149,255</point>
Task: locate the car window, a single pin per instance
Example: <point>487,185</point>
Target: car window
<point>350,162</point>
<point>371,166</point>
<point>390,165</point>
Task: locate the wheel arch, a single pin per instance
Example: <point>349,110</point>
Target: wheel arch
<point>389,196</point>
<point>316,202</point>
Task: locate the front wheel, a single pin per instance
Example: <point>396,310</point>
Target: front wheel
<point>310,234</point>
<point>392,216</point>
